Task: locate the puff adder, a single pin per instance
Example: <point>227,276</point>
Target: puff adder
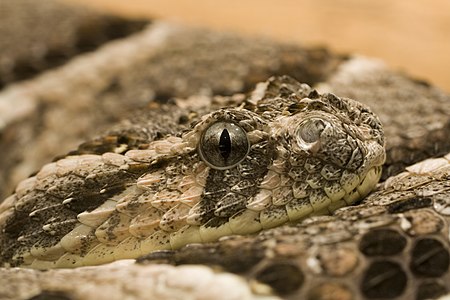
<point>271,160</point>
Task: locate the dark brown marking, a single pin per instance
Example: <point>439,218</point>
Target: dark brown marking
<point>429,258</point>
<point>382,242</point>
<point>383,280</point>
<point>283,277</point>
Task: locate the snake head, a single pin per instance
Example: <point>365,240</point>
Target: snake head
<point>285,154</point>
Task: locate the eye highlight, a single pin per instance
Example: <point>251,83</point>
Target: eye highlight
<point>223,145</point>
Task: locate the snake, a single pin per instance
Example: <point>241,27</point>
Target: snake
<point>258,178</point>
<point>238,170</point>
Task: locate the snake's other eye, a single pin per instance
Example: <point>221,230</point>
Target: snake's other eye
<point>309,132</point>
<point>223,145</point>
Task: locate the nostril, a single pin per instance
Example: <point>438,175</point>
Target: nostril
<point>310,131</point>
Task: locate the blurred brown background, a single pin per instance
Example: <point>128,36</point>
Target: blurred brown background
<point>410,35</point>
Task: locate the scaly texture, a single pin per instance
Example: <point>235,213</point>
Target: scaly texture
<point>160,63</point>
<point>282,155</point>
<point>394,245</point>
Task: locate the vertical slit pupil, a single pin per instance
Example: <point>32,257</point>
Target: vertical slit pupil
<point>225,144</point>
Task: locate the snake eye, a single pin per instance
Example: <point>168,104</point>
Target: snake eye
<point>223,145</point>
<point>309,132</point>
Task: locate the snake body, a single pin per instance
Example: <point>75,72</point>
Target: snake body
<point>283,154</point>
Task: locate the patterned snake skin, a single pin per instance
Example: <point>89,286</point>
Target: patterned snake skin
<point>393,245</point>
<point>272,160</point>
<point>269,164</point>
